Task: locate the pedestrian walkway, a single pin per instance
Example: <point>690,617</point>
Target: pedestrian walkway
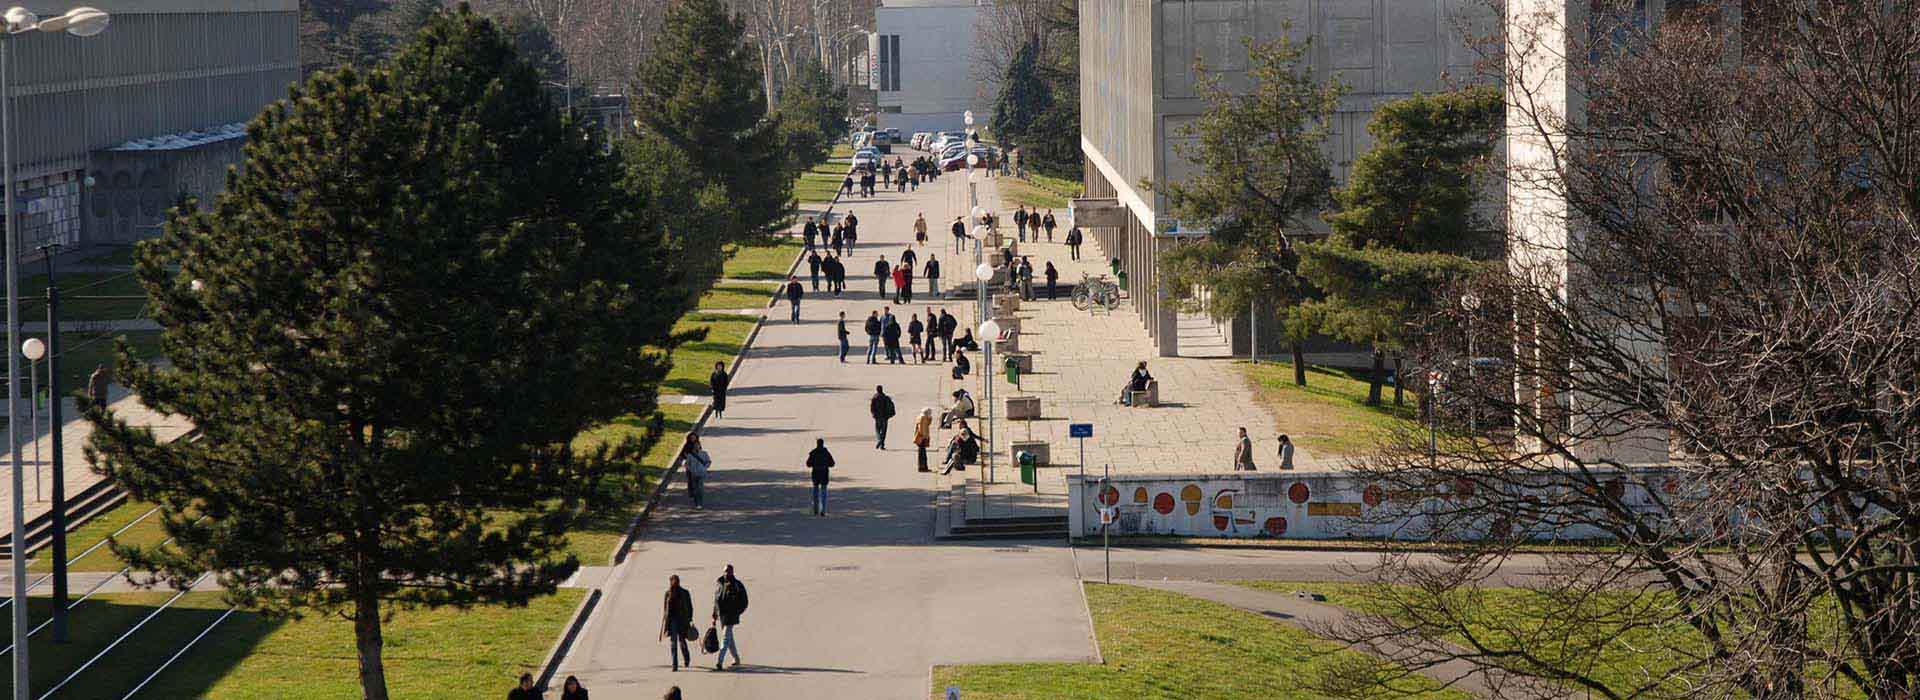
<point>862,602</point>
<point>75,465</point>
<point>1081,361</point>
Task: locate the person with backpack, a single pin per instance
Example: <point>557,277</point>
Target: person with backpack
<point>820,467</point>
<point>881,406</point>
<point>729,602</point>
<point>697,463</point>
<point>676,621</point>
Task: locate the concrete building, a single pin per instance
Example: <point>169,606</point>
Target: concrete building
<point>108,130</point>
<point>1137,89</point>
<point>921,58</point>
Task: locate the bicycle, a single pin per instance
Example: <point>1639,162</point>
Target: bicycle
<point>1094,291</point>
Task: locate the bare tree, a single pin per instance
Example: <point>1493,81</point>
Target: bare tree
<point>1717,372</point>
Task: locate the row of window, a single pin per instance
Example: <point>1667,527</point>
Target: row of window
<point>888,73</point>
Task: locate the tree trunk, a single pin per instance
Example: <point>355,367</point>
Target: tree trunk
<point>1379,377</point>
<point>368,642</point>
<point>1299,365</point>
<point>1399,384</point>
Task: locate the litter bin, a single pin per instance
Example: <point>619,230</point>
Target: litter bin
<point>1029,469</point>
<point>1013,370</point>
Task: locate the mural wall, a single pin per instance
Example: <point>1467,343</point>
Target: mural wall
<point>1323,505</point>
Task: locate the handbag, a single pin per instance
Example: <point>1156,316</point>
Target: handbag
<point>693,632</point>
<point>710,643</point>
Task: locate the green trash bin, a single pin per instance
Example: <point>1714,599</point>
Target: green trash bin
<point>1013,370</point>
<point>1029,468</point>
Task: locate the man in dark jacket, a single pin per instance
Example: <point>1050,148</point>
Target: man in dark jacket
<point>1020,222</point>
<point>820,462</point>
<point>890,335</point>
<point>1073,242</point>
<point>948,324</point>
<point>813,229</point>
<point>881,406</point>
<point>676,615</point>
<point>718,382</point>
<point>841,332</point>
<point>932,274</point>
<point>729,601</point>
<point>836,274</point>
<point>873,328</point>
<point>881,271</point>
<point>793,296</point>
<point>959,233</point>
<point>813,268</point>
<point>909,258</point>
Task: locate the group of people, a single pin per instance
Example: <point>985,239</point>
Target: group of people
<point>1024,220</point>
<point>901,274</point>
<point>839,237</point>
<point>1243,453</point>
<point>676,620</point>
<point>924,338</point>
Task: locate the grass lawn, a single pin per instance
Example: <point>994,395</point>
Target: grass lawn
<point>737,295</point>
<point>760,262</point>
<point>1329,415</point>
<point>694,361</point>
<point>1620,658</point>
<point>1040,191</point>
<point>74,286</point>
<point>430,655</point>
<point>117,255</point>
<point>594,542</point>
<point>81,352</point>
<point>1166,645</point>
<point>815,186</point>
<point>147,531</point>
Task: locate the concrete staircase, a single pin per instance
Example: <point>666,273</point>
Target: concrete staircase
<point>965,511</point>
<point>1199,337</point>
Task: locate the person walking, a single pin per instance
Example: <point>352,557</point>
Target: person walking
<point>572,690</point>
<point>881,271</point>
<point>853,230</point>
<point>890,337</point>
<point>676,621</point>
<point>717,383</point>
<point>1026,279</point>
<point>836,275</point>
<point>920,228</point>
<point>840,330</point>
<point>524,690</point>
<point>1073,243</point>
<point>673,693</point>
<point>923,435</point>
<point>903,281</point>
<point>873,328</point>
<point>1047,222</point>
<point>1053,277</point>
<point>838,238</point>
<point>959,233</point>
<point>812,229</point>
<point>729,603</point>
<point>1243,453</point>
<point>1286,453</point>
<point>948,324</point>
<point>793,297</point>
<point>908,258</point>
<point>98,384</point>
<point>697,463</point>
<point>881,406</point>
<point>932,273</point>
<point>846,185</point>
<point>813,268</point>
<point>914,329</point>
<point>1020,223</point>
<point>898,275</point>
<point>820,464</point>
<point>933,336</point>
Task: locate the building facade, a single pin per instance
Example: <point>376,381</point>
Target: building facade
<point>921,58</point>
<point>1138,89</point>
<point>109,130</point>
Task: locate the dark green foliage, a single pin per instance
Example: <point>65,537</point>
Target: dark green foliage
<point>1259,177</point>
<point>421,286</point>
<point>1418,187</point>
<point>700,89</point>
<point>813,113</point>
<point>1023,97</point>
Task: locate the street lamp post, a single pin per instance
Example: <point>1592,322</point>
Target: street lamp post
<point>58,513</point>
<point>82,22</point>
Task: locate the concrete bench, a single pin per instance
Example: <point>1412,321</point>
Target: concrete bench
<point>1039,448</point>
<point>1023,407</point>
<point>1150,397</point>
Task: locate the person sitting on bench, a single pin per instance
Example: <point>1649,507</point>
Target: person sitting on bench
<point>962,408</point>
<point>1137,383</point>
<point>962,450</point>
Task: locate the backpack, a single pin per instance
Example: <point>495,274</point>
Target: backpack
<point>710,643</point>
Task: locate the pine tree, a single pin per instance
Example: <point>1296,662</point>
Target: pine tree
<point>813,112</point>
<point>1024,97</point>
<point>1406,225</point>
<point>421,286</point>
<point>1259,178</point>
<point>700,89</point>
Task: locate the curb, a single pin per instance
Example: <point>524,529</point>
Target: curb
<point>558,652</point>
<point>1330,546</point>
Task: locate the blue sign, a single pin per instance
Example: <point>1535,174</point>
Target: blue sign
<point>1080,430</point>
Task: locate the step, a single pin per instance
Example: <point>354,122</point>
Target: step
<point>99,498</point>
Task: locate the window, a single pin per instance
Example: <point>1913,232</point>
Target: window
<point>889,78</point>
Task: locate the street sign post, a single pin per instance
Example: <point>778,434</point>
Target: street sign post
<point>1081,431</point>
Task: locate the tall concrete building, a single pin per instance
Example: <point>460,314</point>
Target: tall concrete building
<point>1137,90</point>
<point>108,130</point>
<point>922,64</point>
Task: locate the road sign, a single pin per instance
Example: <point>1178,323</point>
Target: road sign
<point>1080,430</point>
<point>1109,515</point>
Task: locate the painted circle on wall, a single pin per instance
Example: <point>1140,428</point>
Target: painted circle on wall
<point>1298,492</point>
<point>1163,503</point>
<point>1191,495</point>
<point>1109,496</point>
<point>1373,496</point>
<point>1276,526</point>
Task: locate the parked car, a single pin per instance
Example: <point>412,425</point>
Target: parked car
<point>958,159</point>
<point>893,134</point>
<point>920,140</point>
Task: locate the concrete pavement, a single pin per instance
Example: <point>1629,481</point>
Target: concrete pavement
<point>858,604</point>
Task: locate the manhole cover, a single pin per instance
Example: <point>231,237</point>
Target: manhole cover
<point>847,567</point>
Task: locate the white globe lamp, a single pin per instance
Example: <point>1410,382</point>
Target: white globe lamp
<point>33,349</point>
<point>989,331</point>
<point>983,272</point>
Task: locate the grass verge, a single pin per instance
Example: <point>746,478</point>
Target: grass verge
<point>1329,415</point>
<point>593,543</point>
<point>737,295</point>
<point>692,362</point>
<point>430,654</point>
<point>760,262</point>
<point>75,290</point>
<point>146,532</point>
<point>1165,645</point>
<point>1040,191</point>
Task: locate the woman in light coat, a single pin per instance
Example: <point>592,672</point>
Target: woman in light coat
<point>697,463</point>
<point>923,435</point>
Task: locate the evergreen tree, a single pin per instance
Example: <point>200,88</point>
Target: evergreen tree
<point>1259,175</point>
<point>388,329</point>
<point>1406,224</point>
<point>700,89</point>
<point>813,113</point>
<point>1024,97</point>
